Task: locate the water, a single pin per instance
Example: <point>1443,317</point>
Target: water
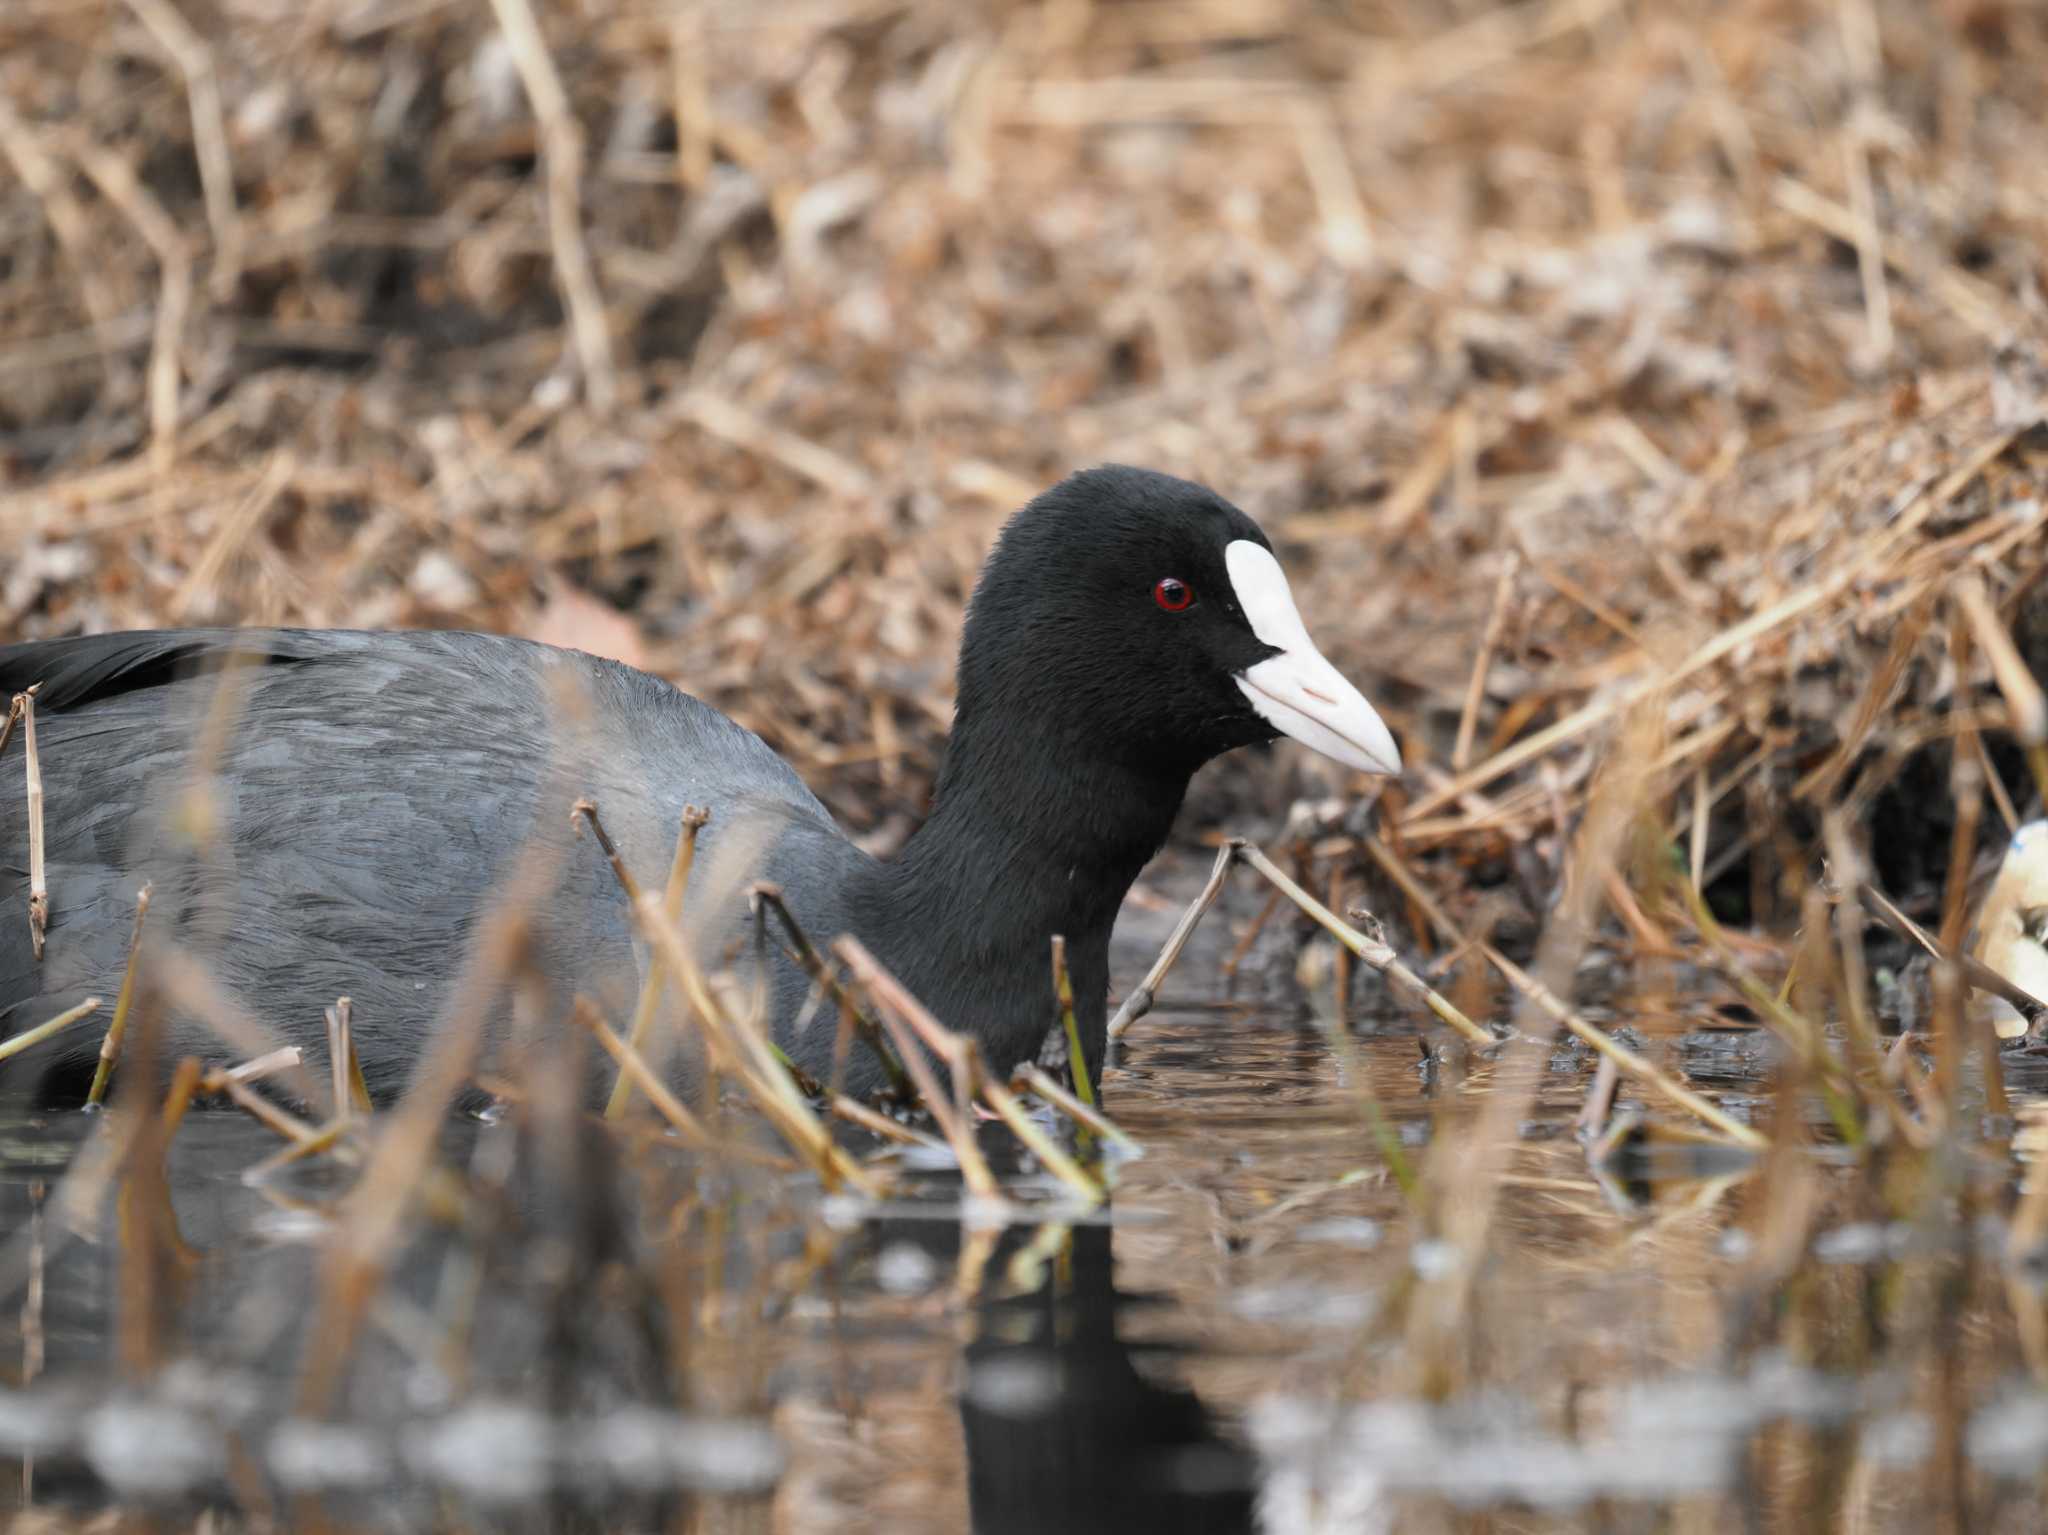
<point>1248,1338</point>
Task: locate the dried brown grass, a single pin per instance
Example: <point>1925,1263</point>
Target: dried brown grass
<point>1692,312</point>
<point>1592,363</point>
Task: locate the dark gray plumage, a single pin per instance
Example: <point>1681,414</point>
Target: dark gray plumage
<point>376,788</point>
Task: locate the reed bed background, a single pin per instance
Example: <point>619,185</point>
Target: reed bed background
<point>1589,330</point>
<point>1648,399</point>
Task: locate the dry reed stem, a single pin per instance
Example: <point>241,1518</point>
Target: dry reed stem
<point>322,1139</point>
<point>562,151</point>
<point>1088,1116</point>
<point>38,872</point>
<point>690,85</point>
<point>14,1044</point>
<point>17,706</point>
<point>185,982</point>
<point>37,165</point>
<point>1375,952</point>
<point>351,1091</point>
<point>1063,993</point>
<point>1848,866</point>
<point>908,1021</point>
<point>1974,970</point>
<point>687,1124</point>
<point>233,1083</point>
<point>338,1030</point>
<point>734,424</point>
<point>753,1060</point>
<point>634,1068</point>
<point>857,1113</point>
<point>1975,306</point>
<point>694,820</point>
<point>1877,693</point>
<point>805,953</point>
<point>269,1064</point>
<point>110,1047</point>
<point>1625,1060</point>
<point>1146,993</point>
<point>152,1260</point>
<point>1079,1181</point>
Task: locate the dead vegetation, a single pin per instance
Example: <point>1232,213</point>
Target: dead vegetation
<point>1689,316</point>
<point>1649,398</point>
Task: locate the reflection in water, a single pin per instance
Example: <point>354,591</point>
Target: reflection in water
<point>1224,1351</point>
<point>1066,1431</point>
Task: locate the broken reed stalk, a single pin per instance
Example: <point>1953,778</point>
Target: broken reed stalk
<point>184,1087</point>
<point>687,1124</point>
<point>1063,988</point>
<point>15,1044</point>
<point>1625,1059</point>
<point>908,1022</point>
<point>38,875</point>
<point>906,1019</point>
<point>1089,1117</point>
<point>255,1069</point>
<point>324,1138</point>
<point>1848,863</point>
<point>1946,1017</point>
<point>152,1261</point>
<point>1083,1184</point>
<point>186,983</point>
<point>587,812</point>
<point>752,1059</point>
<point>633,1068</point>
<point>761,1068</point>
<point>874,1122</point>
<point>1978,974</point>
<point>351,1091</point>
<point>805,954</point>
<point>651,986</point>
<point>233,1082</point>
<point>584,813</point>
<point>1141,999</point>
<point>110,1047</point>
<point>1374,952</point>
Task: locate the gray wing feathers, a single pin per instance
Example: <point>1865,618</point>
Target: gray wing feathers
<point>372,793</point>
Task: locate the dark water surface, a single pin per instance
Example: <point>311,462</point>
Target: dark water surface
<point>1241,1341</point>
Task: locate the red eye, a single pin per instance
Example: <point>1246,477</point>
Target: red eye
<point>1173,595</point>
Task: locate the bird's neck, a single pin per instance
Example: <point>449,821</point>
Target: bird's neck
<point>1036,834</point>
<point>1032,833</point>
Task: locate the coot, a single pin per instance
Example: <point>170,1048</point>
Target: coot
<point>374,788</point>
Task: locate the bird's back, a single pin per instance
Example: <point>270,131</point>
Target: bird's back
<point>328,813</point>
